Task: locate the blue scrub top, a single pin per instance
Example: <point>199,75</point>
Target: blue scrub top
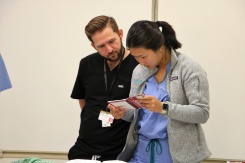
<point>153,138</point>
<point>153,125</point>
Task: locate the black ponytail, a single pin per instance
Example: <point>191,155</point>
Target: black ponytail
<point>169,34</point>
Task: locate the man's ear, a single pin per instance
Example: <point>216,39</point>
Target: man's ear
<point>120,32</point>
<point>92,44</point>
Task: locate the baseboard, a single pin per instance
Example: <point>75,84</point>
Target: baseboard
<point>37,154</point>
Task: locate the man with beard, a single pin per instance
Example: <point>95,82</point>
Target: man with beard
<point>102,76</point>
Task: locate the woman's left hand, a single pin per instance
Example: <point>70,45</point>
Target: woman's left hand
<point>151,103</point>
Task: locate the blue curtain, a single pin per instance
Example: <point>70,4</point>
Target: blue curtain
<point>5,82</point>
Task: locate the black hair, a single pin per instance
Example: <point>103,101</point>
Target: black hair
<point>147,34</point>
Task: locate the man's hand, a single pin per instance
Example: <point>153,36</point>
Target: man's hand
<point>116,112</point>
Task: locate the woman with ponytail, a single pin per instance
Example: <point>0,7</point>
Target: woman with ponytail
<point>167,129</point>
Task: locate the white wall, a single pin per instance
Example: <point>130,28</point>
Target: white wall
<point>213,33</point>
<point>42,42</point>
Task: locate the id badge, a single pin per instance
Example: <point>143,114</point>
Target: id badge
<point>106,118</point>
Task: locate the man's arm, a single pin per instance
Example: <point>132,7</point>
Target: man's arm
<point>82,103</point>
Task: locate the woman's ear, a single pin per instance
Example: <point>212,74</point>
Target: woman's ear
<point>161,49</point>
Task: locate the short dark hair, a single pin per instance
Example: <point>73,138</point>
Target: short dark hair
<point>98,24</point>
<point>147,34</point>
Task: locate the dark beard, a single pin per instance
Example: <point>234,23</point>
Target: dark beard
<point>119,56</point>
